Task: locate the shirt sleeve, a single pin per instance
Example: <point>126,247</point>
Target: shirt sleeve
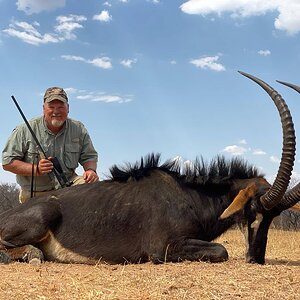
<point>15,147</point>
<point>88,152</point>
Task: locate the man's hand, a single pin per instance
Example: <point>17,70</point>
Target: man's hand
<point>45,166</point>
<point>90,176</point>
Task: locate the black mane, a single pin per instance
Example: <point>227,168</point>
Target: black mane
<point>195,173</point>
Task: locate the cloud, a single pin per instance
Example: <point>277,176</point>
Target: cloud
<point>183,163</point>
<point>104,16</point>
<point>288,18</point>
<point>274,159</point>
<point>258,152</point>
<point>99,62</point>
<point>128,62</point>
<point>73,57</point>
<point>208,62</point>
<point>84,95</point>
<point>243,142</point>
<point>107,98</point>
<point>235,150</point>
<point>67,24</point>
<point>37,6</point>
<point>29,33</point>
<point>264,52</point>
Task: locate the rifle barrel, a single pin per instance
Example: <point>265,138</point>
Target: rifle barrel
<point>55,172</point>
<point>28,125</point>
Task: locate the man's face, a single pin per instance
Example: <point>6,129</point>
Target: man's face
<point>55,113</point>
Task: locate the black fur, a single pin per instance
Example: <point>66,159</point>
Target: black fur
<point>196,173</point>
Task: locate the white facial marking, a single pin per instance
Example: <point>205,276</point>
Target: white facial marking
<point>256,223</point>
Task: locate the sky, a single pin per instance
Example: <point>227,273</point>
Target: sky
<point>156,76</point>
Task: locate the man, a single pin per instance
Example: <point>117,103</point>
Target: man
<point>60,137</point>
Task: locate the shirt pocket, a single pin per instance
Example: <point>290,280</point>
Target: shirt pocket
<point>72,155</point>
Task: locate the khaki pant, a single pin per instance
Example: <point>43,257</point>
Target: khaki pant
<point>25,195</point>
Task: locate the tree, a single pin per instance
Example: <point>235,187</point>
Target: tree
<point>288,219</point>
<point>9,196</point>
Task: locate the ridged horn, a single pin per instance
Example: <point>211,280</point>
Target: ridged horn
<point>277,190</point>
<point>293,195</point>
<point>293,86</point>
<point>290,198</point>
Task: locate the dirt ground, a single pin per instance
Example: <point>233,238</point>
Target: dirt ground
<point>234,279</point>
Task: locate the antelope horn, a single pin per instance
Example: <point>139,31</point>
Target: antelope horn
<point>293,86</point>
<point>277,190</point>
<point>292,196</point>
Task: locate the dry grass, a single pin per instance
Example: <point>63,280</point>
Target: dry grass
<point>278,279</point>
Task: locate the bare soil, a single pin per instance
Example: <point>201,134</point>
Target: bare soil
<point>279,278</point>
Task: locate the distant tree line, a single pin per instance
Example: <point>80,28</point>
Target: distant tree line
<point>9,196</point>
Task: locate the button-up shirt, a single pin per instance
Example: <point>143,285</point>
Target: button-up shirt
<point>72,145</point>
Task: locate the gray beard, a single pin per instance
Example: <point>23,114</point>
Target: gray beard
<point>56,123</point>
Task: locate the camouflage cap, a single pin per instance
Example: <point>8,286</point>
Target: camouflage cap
<point>55,93</point>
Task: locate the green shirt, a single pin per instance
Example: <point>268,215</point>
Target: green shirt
<point>72,145</point>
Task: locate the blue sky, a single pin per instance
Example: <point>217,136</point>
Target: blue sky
<point>155,75</point>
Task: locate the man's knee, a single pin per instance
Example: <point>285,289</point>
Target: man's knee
<point>24,195</point>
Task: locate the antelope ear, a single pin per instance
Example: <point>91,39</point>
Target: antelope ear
<point>240,200</point>
<point>295,208</point>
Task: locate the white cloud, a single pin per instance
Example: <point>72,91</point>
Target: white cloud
<point>73,57</point>
<point>182,163</point>
<point>100,62</point>
<point>70,90</point>
<point>104,16</point>
<point>37,6</point>
<point>243,142</point>
<point>288,18</point>
<point>128,62</point>
<point>173,62</point>
<point>264,52</point>
<point>258,152</point>
<point>235,150</point>
<point>208,62</point>
<point>67,25</point>
<point>274,159</point>
<point>29,33</point>
<point>107,4</point>
<point>295,178</point>
<point>107,98</point>
<point>84,95</point>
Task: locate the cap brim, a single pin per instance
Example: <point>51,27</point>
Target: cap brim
<point>56,97</point>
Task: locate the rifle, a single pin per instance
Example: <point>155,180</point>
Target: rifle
<point>57,169</point>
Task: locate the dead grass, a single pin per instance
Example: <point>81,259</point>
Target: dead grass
<point>278,279</point>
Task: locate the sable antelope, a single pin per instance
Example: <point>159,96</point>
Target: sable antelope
<point>152,212</point>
